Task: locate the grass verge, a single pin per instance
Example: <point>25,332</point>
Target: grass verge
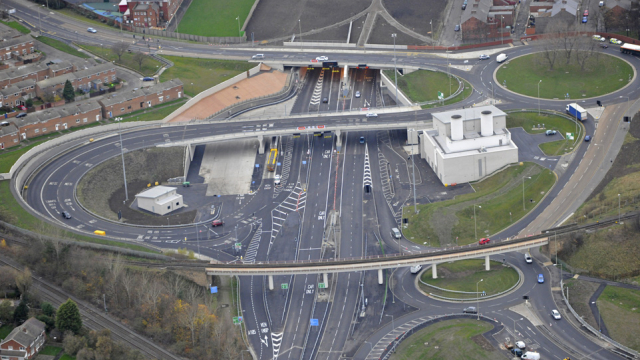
<point>16,25</point>
<point>580,292</point>
<point>468,89</point>
<point>198,75</point>
<point>215,17</point>
<point>620,309</point>
<point>446,340</point>
<point>11,212</point>
<point>424,85</point>
<point>148,68</point>
<point>463,275</point>
<point>5,330</point>
<point>50,350</point>
<point>57,44</point>
<point>154,113</point>
<point>499,203</point>
<point>603,74</point>
<point>67,357</point>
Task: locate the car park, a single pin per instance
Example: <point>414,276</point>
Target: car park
<point>550,132</point>
<point>540,279</point>
<point>66,215</point>
<point>21,115</point>
<point>372,115</point>
<point>416,269</point>
<point>484,57</point>
<point>457,28</point>
<point>587,138</point>
<point>357,94</point>
<point>470,310</point>
<point>556,314</point>
<point>92,30</point>
<point>528,259</point>
<point>322,58</point>
<point>217,222</point>
<point>484,241</point>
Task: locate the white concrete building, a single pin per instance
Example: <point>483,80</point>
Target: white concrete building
<point>160,200</point>
<point>468,144</point>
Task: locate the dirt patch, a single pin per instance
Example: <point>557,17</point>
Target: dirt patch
<point>101,190</point>
<point>338,33</point>
<point>416,14</point>
<point>279,18</point>
<point>482,342</point>
<point>381,34</point>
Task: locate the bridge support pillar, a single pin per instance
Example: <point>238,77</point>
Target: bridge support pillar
<point>487,265</point>
<point>338,140</point>
<point>380,277</point>
<point>261,145</point>
<point>270,282</point>
<point>325,280</point>
<point>434,271</point>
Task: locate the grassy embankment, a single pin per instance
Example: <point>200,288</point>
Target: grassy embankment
<point>424,85</point>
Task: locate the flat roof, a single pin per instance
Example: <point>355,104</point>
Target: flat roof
<point>467,114</point>
<point>154,192</point>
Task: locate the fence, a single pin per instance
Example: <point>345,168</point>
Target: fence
<point>623,38</point>
<point>181,36</point>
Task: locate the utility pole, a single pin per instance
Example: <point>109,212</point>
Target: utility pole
<point>395,68</point>
<point>413,166</point>
<point>124,172</point>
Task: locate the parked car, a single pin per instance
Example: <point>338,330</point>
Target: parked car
<point>528,259</point>
<point>484,241</point>
<point>470,310</point>
<point>520,344</point>
<point>217,222</point>
<point>21,115</point>
<point>540,279</point>
<point>586,13</point>
<point>587,138</point>
<point>556,314</point>
<point>464,6</point>
<point>517,352</point>
<point>599,38</point>
<point>604,45</point>
<point>416,269</point>
<point>615,41</point>
<point>4,123</point>
<point>322,58</point>
<point>372,115</point>
<point>550,132</point>
<point>66,215</point>
<point>148,78</point>
<point>92,30</point>
<point>484,57</point>
<point>357,94</point>
<point>584,19</point>
<point>457,28</point>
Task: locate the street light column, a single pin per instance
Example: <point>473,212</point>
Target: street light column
<point>539,97</point>
<point>239,34</point>
<point>413,166</point>
<point>524,177</point>
<point>395,68</point>
<point>618,208</point>
<point>475,223</point>
<point>478,298</point>
<point>300,28</point>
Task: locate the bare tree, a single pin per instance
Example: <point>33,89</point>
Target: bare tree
<point>139,58</point>
<point>24,281</point>
<point>587,50</point>
<point>176,283</point>
<point>116,268</point>
<point>128,281</point>
<point>152,293</point>
<point>550,52</point>
<point>119,49</point>
<point>8,278</point>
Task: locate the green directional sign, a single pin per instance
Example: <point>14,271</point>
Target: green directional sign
<point>569,136</point>
<point>322,286</point>
<point>440,95</point>
<point>284,286</point>
<point>237,320</point>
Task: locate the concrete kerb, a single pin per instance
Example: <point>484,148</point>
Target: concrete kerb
<point>515,287</point>
<point>495,79</point>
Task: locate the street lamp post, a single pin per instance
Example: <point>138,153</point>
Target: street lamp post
<point>524,177</point>
<point>622,97</point>
<point>514,325</point>
<point>432,39</point>
<point>393,324</point>
<point>124,173</point>
<point>493,94</point>
<point>501,29</point>
<point>370,346</point>
<point>539,97</point>
<point>395,69</point>
<point>300,29</point>
<point>478,298</point>
<point>413,166</point>
<point>39,20</point>
<point>618,208</point>
<point>239,34</point>
<point>475,223</point>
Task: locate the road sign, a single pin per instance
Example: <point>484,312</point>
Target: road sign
<point>322,286</point>
<point>304,162</point>
<point>314,322</point>
<point>569,136</point>
<point>284,286</point>
<point>440,95</point>
<point>237,320</point>
<point>214,289</point>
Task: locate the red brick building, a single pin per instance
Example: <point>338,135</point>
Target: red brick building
<point>146,15</point>
<point>14,75</point>
<point>483,21</point>
<point>143,13</point>
<point>23,342</point>
<point>20,45</point>
<point>126,102</point>
<point>92,77</point>
<point>58,119</point>
<point>8,135</point>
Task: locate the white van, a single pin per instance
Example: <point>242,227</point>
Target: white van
<point>396,233</point>
<point>416,269</point>
<point>502,57</point>
<point>531,355</point>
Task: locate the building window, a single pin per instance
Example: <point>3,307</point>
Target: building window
<point>168,97</point>
<point>77,121</point>
<point>15,140</point>
<point>44,129</point>
<point>36,131</point>
<point>121,110</point>
<point>160,99</point>
<point>84,120</point>
<point>113,77</point>
<point>97,117</point>
<point>169,207</point>
<point>129,107</point>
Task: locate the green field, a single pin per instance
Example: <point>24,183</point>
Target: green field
<point>149,66</point>
<point>216,18</point>
<point>603,74</point>
<point>620,309</point>
<point>530,121</point>
<point>154,113</point>
<point>464,275</point>
<point>57,44</point>
<point>50,350</point>
<point>13,213</point>
<point>500,203</point>
<point>16,25</point>
<point>198,75</point>
<point>448,340</point>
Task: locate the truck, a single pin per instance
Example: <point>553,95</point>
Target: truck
<point>502,57</point>
<point>577,111</point>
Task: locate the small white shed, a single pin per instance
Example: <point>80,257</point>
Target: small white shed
<point>160,200</point>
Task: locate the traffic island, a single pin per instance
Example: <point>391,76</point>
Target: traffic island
<point>469,280</point>
<point>425,87</point>
<point>536,75</point>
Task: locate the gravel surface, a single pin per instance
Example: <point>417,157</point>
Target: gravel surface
<point>338,33</point>
<point>416,14</point>
<point>381,34</point>
<point>278,18</point>
<point>356,30</point>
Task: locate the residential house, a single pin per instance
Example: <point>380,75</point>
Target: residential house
<point>92,77</point>
<point>8,135</point>
<point>482,20</point>
<point>125,102</point>
<point>58,119</point>
<point>24,341</point>
<point>20,45</point>
<point>143,16</point>
<point>36,72</point>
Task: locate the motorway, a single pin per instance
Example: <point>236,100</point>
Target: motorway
<point>294,221</point>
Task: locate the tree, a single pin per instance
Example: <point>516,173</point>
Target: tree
<point>8,278</point>
<point>85,354</point>
<point>68,93</point>
<point>139,59</point>
<point>48,96</point>
<point>68,317</point>
<point>587,50</point>
<point>24,281</point>
<point>21,313</point>
<point>6,311</point>
<point>119,49</point>
<point>47,320</point>
<point>73,344</point>
<point>29,102</point>
<point>47,309</point>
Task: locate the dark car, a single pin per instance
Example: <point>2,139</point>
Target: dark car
<point>550,132</point>
<point>517,352</point>
<point>470,310</point>
<point>361,139</point>
<point>603,45</point>
<point>325,100</point>
<point>587,138</point>
<point>4,123</point>
<point>147,78</point>
<point>584,19</point>
<point>217,222</point>
<point>21,115</point>
<point>464,6</point>
<point>457,28</point>
<point>66,215</point>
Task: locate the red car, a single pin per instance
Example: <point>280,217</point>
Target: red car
<point>217,222</point>
<point>484,241</point>
<point>586,13</point>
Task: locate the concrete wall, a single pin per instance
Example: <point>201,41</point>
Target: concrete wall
<point>474,167</point>
<point>389,83</point>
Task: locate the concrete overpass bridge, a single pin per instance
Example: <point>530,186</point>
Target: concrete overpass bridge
<point>378,263</point>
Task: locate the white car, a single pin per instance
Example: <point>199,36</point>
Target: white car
<point>528,258</point>
<point>92,30</point>
<point>372,115</point>
<point>556,314</point>
<point>520,344</point>
<point>357,94</point>
<point>276,180</point>
<point>322,58</point>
